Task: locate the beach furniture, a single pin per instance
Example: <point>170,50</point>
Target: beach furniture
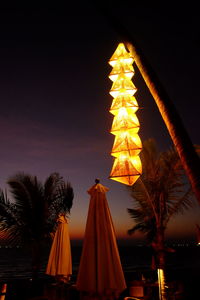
<point>136,289</point>
<point>60,261</point>
<point>100,272</point>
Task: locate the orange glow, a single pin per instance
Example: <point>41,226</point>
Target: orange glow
<point>119,68</point>
<point>124,141</point>
<point>122,83</point>
<point>121,54</point>
<point>123,101</point>
<point>127,145</point>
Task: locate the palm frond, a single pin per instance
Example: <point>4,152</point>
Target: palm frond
<point>160,191</point>
<point>63,200</point>
<point>68,197</point>
<point>135,228</point>
<point>51,185</point>
<point>35,207</point>
<point>9,220</point>
<point>20,185</point>
<point>180,205</point>
<point>144,224</point>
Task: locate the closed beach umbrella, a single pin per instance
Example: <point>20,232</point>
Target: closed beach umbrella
<point>60,261</point>
<point>100,271</point>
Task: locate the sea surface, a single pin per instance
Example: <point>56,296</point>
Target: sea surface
<point>15,263</point>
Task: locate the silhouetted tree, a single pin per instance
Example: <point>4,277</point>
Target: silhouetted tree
<point>31,217</point>
<point>160,193</point>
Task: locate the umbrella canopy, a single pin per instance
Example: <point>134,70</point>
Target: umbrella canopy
<point>60,262</point>
<point>100,271</point>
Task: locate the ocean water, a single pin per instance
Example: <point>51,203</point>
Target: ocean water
<point>15,263</point>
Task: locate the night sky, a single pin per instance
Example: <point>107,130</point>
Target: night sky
<point>54,93</point>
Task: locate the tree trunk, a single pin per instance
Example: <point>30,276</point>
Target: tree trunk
<point>36,254</point>
<point>159,248</point>
<point>173,122</point>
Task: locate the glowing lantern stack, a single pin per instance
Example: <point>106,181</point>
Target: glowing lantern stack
<point>127,145</point>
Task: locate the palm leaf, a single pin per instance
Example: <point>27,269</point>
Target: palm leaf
<point>160,191</point>
<point>50,187</point>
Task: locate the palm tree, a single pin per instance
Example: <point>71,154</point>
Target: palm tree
<point>31,217</point>
<point>160,193</point>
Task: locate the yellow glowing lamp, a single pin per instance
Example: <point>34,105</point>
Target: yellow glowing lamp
<point>124,121</point>
<point>122,85</point>
<point>121,55</point>
<point>124,141</point>
<point>123,101</point>
<point>126,169</point>
<point>127,145</point>
<point>121,68</point>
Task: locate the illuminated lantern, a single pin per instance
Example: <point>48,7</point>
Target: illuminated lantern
<point>127,145</point>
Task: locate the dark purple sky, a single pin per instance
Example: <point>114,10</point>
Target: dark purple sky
<point>54,92</point>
